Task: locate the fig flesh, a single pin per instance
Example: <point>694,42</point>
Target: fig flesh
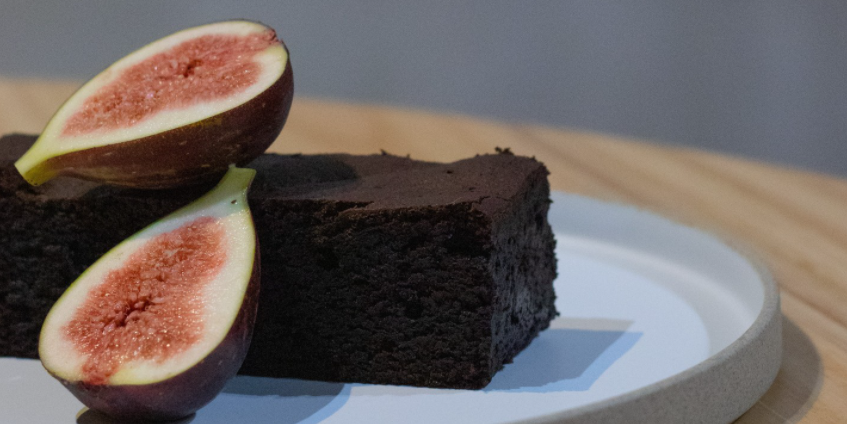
<point>155,328</point>
<point>175,112</point>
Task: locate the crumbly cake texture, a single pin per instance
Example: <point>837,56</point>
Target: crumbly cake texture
<point>375,269</point>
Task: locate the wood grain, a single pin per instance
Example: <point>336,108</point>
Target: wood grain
<point>794,221</point>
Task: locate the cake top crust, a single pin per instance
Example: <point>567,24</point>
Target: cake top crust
<point>380,181</point>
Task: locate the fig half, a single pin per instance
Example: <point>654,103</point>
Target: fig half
<point>155,328</point>
<point>175,112</point>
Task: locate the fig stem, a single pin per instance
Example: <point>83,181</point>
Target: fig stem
<point>233,186</point>
<point>34,169</point>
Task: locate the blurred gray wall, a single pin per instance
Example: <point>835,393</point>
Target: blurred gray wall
<point>763,79</point>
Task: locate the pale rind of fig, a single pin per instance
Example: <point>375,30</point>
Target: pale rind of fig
<point>176,112</point>
<point>210,318</point>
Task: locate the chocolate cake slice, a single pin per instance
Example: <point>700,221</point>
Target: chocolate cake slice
<point>375,269</point>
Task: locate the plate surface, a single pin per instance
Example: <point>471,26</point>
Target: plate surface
<point>659,323</point>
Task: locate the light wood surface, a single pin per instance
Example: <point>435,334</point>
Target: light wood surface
<point>794,221</point>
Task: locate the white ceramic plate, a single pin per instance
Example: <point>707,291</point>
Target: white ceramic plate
<point>659,323</point>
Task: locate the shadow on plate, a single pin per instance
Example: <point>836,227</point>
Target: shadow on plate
<point>797,384</point>
<point>262,400</point>
<point>567,359</point>
<point>266,386</point>
<point>88,416</point>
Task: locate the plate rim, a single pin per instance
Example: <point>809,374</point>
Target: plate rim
<point>698,393</point>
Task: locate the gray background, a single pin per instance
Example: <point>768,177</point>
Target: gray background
<point>766,80</point>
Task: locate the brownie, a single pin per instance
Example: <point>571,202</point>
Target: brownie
<point>375,269</point>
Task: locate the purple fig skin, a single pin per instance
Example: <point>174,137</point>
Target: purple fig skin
<point>185,393</point>
<point>190,154</point>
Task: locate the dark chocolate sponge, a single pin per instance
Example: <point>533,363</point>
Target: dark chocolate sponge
<point>375,269</point>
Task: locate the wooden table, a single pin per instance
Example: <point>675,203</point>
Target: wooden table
<point>795,221</point>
